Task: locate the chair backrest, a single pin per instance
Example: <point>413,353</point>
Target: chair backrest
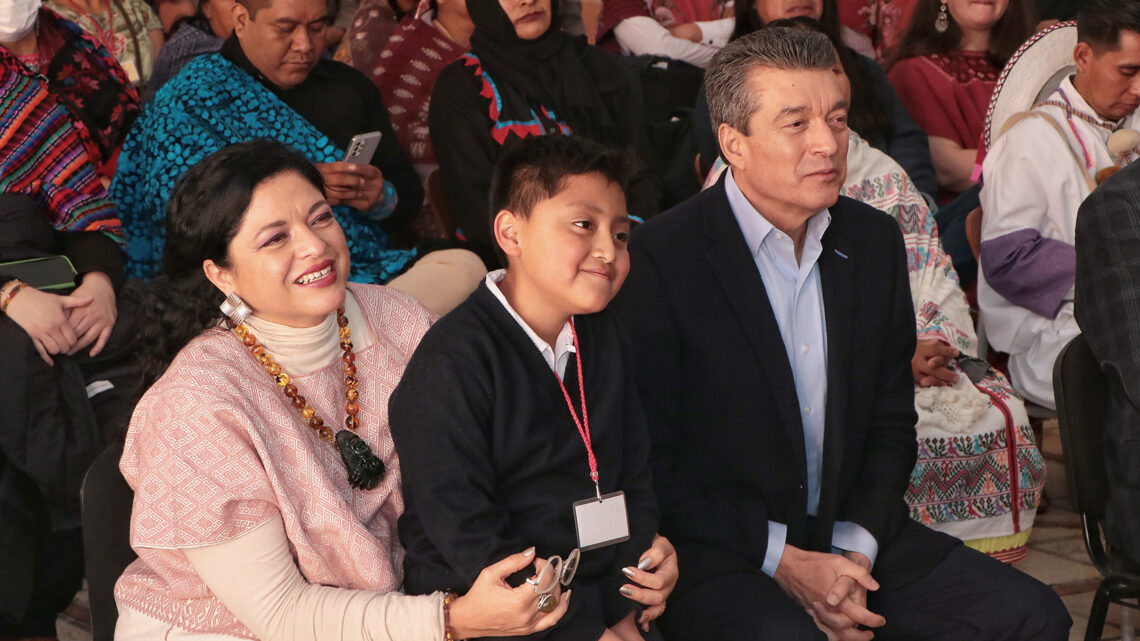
<point>437,197</point>
<point>974,232</point>
<point>1081,390</point>
<point>106,503</point>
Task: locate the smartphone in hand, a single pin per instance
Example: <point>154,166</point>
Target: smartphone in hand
<point>362,147</point>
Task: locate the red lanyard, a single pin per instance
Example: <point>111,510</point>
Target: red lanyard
<point>583,424</point>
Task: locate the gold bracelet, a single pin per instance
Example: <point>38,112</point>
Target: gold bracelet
<point>15,289</point>
<point>448,598</point>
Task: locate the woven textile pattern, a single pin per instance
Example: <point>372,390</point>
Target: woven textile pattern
<point>214,448</point>
<point>209,105</point>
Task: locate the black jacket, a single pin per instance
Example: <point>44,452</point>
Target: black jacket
<point>720,400</point>
<point>492,461</point>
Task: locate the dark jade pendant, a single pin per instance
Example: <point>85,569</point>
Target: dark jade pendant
<point>364,468</point>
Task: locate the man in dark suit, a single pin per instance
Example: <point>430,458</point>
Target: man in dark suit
<point>773,332</point>
<point>1107,308</point>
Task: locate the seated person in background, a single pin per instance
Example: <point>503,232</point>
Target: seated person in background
<point>774,335</point>
<point>952,488</point>
<point>688,31</point>
<point>876,112</point>
<point>367,33</point>
<point>250,519</point>
<point>524,77</point>
<point>269,81</point>
<point>873,27</point>
<point>1035,177</point>
<point>193,36</point>
<point>57,134</point>
<point>1107,291</point>
<point>519,403</point>
<point>944,71</point>
<point>130,31</point>
<point>406,70</point>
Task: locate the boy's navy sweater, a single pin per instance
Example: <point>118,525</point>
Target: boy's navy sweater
<point>492,461</point>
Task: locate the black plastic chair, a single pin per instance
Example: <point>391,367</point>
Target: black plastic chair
<point>1081,389</point>
<point>106,503</point>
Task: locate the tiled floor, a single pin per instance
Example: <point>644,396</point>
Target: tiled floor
<point>1056,556</point>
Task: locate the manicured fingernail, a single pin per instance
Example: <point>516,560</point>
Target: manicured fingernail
<point>529,551</point>
<point>644,563</point>
<point>626,591</point>
<point>628,572</point>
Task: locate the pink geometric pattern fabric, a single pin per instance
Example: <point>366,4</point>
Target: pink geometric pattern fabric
<point>214,449</point>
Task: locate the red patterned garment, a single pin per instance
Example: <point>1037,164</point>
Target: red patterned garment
<point>881,22</point>
<point>215,449</point>
<point>947,95</point>
<point>405,72</point>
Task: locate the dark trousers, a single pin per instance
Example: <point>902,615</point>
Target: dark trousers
<point>967,596</point>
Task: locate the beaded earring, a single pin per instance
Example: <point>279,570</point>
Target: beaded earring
<point>235,309</point>
<point>942,22</point>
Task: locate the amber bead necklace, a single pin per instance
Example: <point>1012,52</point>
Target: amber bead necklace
<point>364,468</point>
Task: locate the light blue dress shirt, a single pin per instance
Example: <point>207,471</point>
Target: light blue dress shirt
<point>796,297</point>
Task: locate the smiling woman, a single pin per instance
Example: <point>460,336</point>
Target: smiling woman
<point>266,481</point>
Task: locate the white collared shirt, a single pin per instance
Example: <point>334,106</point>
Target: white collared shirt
<point>556,357</point>
<point>795,294</point>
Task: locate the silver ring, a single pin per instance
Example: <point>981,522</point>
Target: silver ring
<point>547,603</point>
<point>532,580</point>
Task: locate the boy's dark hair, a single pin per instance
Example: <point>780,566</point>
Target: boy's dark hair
<point>537,167</point>
<point>1099,22</point>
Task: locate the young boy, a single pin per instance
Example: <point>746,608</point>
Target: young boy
<point>517,412</point>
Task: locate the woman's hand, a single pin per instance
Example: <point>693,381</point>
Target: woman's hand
<point>352,184</point>
<point>930,363</point>
<point>94,322</point>
<point>654,579</point>
<point>44,317</point>
<point>492,608</point>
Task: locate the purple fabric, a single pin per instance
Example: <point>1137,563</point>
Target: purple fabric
<point>1030,270</point>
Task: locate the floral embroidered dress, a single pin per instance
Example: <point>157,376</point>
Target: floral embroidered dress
<point>979,474</point>
<point>63,114</point>
<point>124,29</point>
<point>880,22</point>
<point>947,94</point>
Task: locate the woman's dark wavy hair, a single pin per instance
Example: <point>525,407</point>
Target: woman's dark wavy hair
<point>205,211</point>
<point>869,113</point>
<point>921,39</point>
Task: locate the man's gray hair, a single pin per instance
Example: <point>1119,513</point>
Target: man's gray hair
<point>726,80</point>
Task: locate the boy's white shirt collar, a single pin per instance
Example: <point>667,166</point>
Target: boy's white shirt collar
<point>556,357</point>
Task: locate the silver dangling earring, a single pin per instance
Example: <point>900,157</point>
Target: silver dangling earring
<point>235,309</point>
<point>942,22</point>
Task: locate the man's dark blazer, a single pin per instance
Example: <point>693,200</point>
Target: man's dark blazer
<point>720,399</point>
<point>1107,307</point>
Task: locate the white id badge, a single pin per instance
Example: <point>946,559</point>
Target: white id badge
<point>601,522</point>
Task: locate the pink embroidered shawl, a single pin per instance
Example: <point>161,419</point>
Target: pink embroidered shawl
<point>214,448</point>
